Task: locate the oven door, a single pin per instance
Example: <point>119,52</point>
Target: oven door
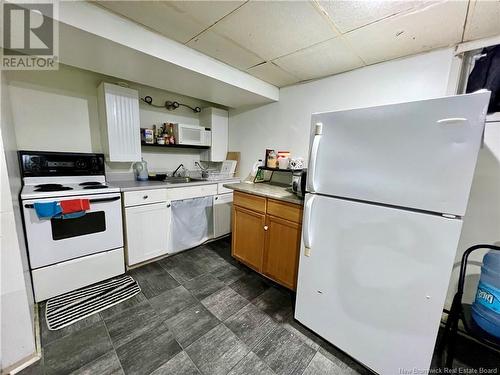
<point>52,241</point>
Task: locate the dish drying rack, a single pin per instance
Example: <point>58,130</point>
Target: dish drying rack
<point>211,175</point>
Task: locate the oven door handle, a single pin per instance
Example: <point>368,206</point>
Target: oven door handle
<point>96,200</point>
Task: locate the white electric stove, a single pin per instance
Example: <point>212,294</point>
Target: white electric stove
<point>66,254</point>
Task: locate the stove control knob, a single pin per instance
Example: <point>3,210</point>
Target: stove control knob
<point>80,164</point>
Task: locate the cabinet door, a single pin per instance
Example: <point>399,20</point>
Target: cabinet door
<point>148,229</point>
<point>281,253</point>
<point>217,120</point>
<point>248,237</point>
<point>119,114</point>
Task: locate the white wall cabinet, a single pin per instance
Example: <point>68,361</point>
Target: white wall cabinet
<point>217,120</point>
<point>147,229</point>
<point>120,124</point>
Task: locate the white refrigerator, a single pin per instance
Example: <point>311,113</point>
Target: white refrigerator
<point>387,189</point>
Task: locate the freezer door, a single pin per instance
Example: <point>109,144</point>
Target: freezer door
<point>420,154</point>
<point>373,280</point>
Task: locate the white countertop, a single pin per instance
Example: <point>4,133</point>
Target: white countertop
<point>148,185</point>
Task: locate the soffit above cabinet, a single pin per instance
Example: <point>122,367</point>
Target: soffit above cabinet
<point>112,45</point>
<point>256,36</point>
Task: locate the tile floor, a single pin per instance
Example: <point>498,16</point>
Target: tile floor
<point>199,312</point>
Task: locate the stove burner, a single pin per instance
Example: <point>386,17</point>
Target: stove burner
<point>53,187</point>
<point>91,183</point>
<point>48,186</point>
<point>96,187</point>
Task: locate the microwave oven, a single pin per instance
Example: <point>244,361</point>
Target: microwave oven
<point>193,135</point>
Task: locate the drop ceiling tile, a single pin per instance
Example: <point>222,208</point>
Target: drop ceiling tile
<point>483,20</point>
<point>219,47</point>
<point>176,20</point>
<point>205,12</point>
<point>434,26</point>
<point>273,74</point>
<point>349,15</point>
<point>323,59</point>
<point>275,28</point>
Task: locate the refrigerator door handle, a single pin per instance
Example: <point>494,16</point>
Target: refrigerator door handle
<point>451,121</point>
<point>307,219</point>
<point>312,160</point>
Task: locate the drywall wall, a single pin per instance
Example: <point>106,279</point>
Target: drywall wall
<point>482,220</point>
<point>16,299</point>
<point>285,126</point>
<point>57,111</point>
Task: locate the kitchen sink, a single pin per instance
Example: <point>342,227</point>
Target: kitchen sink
<point>181,180</point>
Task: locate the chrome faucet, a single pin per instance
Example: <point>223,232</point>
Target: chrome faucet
<point>176,169</point>
<point>200,166</point>
<point>204,170</point>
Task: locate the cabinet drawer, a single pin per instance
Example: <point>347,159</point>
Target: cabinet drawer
<point>288,211</point>
<point>76,273</point>
<point>189,192</point>
<point>135,198</point>
<point>250,201</point>
<point>223,190</point>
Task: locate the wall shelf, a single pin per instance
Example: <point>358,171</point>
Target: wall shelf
<point>278,169</point>
<point>174,146</point>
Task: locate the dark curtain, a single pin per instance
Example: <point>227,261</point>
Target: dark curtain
<point>486,75</point>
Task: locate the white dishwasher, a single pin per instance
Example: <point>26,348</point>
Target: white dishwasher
<point>222,214</point>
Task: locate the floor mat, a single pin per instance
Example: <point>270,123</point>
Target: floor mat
<point>66,309</point>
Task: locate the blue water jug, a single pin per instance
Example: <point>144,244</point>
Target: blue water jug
<point>486,307</point>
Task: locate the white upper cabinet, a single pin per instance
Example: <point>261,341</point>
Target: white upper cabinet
<point>120,125</point>
<point>217,120</point>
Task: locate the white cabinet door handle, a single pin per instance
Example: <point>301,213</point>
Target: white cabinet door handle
<point>266,227</point>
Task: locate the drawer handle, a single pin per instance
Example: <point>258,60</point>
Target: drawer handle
<point>145,197</point>
<point>168,205</point>
<point>266,227</point>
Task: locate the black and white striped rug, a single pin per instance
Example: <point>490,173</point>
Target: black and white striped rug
<point>66,309</point>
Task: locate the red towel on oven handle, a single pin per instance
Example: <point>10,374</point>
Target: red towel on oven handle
<point>74,205</point>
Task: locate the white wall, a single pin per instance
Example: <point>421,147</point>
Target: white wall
<point>57,111</point>
<point>482,220</point>
<point>16,301</point>
<point>285,126</point>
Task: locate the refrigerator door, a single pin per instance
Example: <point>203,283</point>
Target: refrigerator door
<point>373,280</point>
<point>420,154</point>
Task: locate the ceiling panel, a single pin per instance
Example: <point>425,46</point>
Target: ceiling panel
<point>275,28</point>
<point>178,20</point>
<point>349,15</point>
<point>483,20</point>
<point>219,47</point>
<point>323,59</point>
<point>273,74</point>
<point>434,26</point>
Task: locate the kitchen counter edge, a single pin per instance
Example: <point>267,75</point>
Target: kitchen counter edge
<point>126,186</point>
<point>266,190</point>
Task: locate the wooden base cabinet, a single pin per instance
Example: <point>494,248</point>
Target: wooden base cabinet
<point>248,244</point>
<point>281,251</point>
<point>266,236</point>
